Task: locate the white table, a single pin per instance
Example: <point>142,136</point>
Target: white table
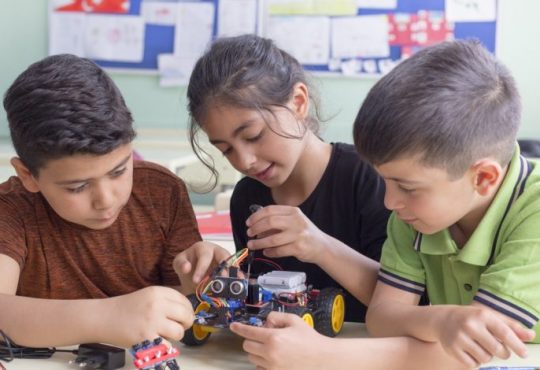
<point>224,351</point>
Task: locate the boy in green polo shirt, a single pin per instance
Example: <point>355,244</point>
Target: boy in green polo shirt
<point>441,130</point>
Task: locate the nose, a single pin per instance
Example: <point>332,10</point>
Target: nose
<point>392,200</point>
<point>244,161</point>
<point>103,195</point>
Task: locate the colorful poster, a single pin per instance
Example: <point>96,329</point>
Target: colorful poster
<point>93,6</point>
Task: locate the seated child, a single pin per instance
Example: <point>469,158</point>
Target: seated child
<point>441,130</point>
<point>88,237</point>
<point>254,103</point>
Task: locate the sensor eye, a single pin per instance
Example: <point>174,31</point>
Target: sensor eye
<point>217,286</point>
<point>236,287</point>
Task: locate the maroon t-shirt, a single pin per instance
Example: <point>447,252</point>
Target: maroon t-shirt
<point>62,260</point>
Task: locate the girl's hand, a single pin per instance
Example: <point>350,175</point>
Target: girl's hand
<point>283,231</point>
<point>286,342</point>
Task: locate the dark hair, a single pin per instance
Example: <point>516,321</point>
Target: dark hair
<point>65,105</point>
<point>246,71</point>
<point>452,104</point>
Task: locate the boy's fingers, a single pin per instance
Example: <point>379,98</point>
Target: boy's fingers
<point>492,345</point>
<point>254,348</point>
<point>204,260</point>
<point>220,254</point>
<point>172,331</point>
<point>523,333</point>
<point>508,337</point>
<point>255,333</point>
<point>280,320</point>
<point>181,264</point>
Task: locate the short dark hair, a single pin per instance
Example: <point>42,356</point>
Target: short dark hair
<point>65,105</point>
<point>452,104</point>
<point>245,71</point>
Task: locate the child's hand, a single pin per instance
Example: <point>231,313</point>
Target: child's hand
<point>285,231</point>
<point>286,342</point>
<point>146,314</point>
<point>197,261</point>
<point>474,335</point>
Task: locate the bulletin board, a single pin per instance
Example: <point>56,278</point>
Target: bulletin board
<point>345,37</point>
<point>369,37</point>
<point>68,20</point>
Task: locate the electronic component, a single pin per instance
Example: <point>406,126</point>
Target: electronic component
<point>154,355</point>
<point>283,281</point>
<point>100,356</point>
<point>227,287</point>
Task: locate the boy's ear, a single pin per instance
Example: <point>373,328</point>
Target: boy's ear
<point>24,174</point>
<point>488,174</point>
<point>300,101</point>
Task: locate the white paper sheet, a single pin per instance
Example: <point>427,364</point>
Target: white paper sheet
<point>237,17</point>
<point>471,10</point>
<point>160,13</point>
<point>363,36</point>
<point>174,70</point>
<point>377,4</point>
<point>66,33</point>
<point>310,45</point>
<point>115,38</point>
<point>193,31</point>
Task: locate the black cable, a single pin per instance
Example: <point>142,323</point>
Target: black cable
<point>10,351</point>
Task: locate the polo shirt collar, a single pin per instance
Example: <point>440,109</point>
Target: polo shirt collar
<point>480,247</point>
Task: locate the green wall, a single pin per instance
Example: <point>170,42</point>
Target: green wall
<point>23,40</point>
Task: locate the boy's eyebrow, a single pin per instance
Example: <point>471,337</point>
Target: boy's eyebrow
<point>236,131</point>
<point>68,182</point>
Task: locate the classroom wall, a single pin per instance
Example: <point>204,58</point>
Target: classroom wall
<point>23,40</point>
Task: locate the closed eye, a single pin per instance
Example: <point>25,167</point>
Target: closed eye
<point>78,189</point>
<point>255,138</point>
<point>118,172</point>
<point>406,190</point>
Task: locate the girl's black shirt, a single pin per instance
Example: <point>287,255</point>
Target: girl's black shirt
<point>346,204</point>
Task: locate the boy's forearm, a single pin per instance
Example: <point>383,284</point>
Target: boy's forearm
<point>36,322</point>
<point>352,270</point>
<point>386,353</point>
<point>395,319</point>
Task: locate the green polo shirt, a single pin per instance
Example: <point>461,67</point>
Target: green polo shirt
<point>499,266</point>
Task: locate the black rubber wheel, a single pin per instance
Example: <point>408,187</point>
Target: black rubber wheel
<point>330,311</point>
<point>196,335</point>
<point>304,314</point>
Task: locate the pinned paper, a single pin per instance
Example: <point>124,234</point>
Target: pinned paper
<point>311,46</point>
<point>471,10</point>
<point>363,36</point>
<point>114,38</point>
<point>159,13</point>
<point>66,33</point>
<point>237,17</point>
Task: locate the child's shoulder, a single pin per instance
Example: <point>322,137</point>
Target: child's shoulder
<point>12,190</point>
<point>345,156</point>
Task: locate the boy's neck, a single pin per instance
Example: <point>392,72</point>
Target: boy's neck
<point>462,230</point>
<point>307,173</point>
